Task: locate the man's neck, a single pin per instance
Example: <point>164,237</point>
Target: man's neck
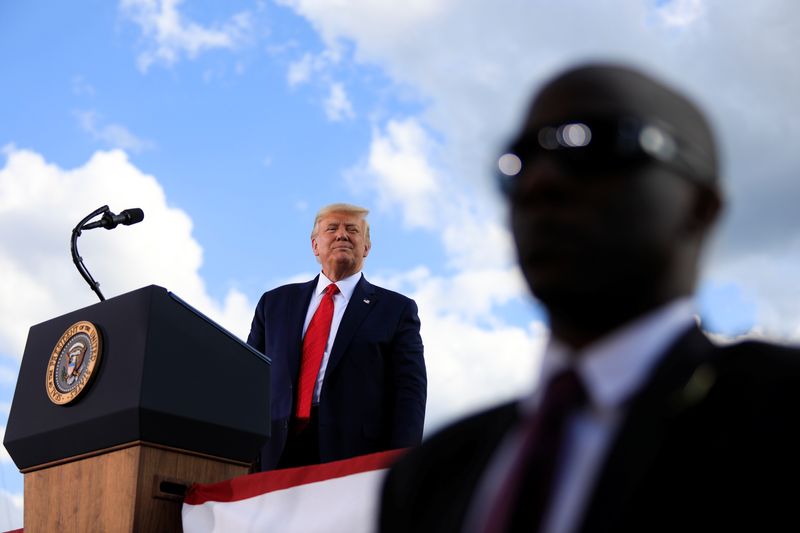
<point>337,275</point>
<point>580,326</point>
<point>340,278</point>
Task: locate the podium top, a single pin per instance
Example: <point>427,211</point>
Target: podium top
<point>167,375</point>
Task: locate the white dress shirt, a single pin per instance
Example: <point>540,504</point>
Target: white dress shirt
<point>612,369</point>
<point>340,301</point>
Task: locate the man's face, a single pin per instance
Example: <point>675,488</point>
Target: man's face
<point>340,244</point>
<point>588,237</point>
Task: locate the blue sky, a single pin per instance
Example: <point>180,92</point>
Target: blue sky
<point>230,123</point>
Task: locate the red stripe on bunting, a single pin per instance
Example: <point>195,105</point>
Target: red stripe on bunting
<point>248,486</point>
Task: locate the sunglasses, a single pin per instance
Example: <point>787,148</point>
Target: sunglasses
<point>594,147</point>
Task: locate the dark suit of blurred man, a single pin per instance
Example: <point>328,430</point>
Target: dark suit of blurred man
<point>368,391</point>
<point>641,424</point>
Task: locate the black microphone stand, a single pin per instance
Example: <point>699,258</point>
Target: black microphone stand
<point>77,259</point>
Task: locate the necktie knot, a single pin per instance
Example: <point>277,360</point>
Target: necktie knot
<point>564,393</point>
<point>331,290</point>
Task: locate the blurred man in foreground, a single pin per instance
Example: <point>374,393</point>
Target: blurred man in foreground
<point>640,423</point>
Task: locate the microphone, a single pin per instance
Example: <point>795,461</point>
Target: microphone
<point>111,221</point>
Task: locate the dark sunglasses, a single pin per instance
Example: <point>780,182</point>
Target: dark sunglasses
<point>599,146</point>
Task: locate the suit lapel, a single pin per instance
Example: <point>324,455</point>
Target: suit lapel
<point>681,381</point>
<point>298,308</point>
<point>362,301</point>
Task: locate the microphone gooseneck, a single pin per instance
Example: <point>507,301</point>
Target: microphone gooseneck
<point>108,221</point>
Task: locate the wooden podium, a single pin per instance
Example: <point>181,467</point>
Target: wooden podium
<point>121,405</point>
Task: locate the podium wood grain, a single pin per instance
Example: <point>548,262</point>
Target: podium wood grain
<point>118,491</point>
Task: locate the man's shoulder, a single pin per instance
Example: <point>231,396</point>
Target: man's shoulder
<point>758,383</point>
<point>498,417</point>
<point>289,288</point>
<point>384,293</point>
<point>758,359</point>
<point>430,488</point>
<point>471,438</point>
<point>284,295</point>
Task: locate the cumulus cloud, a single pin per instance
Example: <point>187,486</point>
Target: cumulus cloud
<point>398,169</point>
<point>337,105</point>
<point>768,278</point>
<point>11,511</point>
<point>81,87</point>
<point>300,70</point>
<point>112,135</point>
<point>739,64</point>
<point>399,22</point>
<point>8,376</point>
<point>318,70</point>
<point>681,13</point>
<point>401,169</point>
<point>4,456</point>
<point>38,278</point>
<point>309,65</point>
<point>168,35</point>
<point>473,357</point>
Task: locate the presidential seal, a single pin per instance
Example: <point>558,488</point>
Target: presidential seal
<point>73,361</point>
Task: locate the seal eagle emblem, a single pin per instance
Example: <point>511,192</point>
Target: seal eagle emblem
<point>74,360</point>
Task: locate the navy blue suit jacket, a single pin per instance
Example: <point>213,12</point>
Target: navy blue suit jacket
<point>374,392</point>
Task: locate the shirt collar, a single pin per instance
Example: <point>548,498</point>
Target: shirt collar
<point>346,285</point>
<point>615,366</point>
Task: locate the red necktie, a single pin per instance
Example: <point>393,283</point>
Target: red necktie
<point>313,347</point>
<point>524,495</point>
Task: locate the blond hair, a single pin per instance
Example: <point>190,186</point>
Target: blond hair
<point>346,209</point>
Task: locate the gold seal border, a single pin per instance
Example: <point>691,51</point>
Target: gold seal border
<point>62,398</point>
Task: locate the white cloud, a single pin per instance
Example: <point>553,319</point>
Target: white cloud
<point>38,280</point>
<point>81,87</point>
<point>398,169</point>
<point>318,69</point>
<point>379,22</point>
<point>5,458</point>
<point>471,366</point>
<point>11,511</point>
<point>300,70</point>
<point>767,277</point>
<point>113,135</point>
<point>739,64</point>
<point>337,105</point>
<point>681,13</point>
<point>169,35</point>
<point>473,358</point>
<point>11,503</point>
<point>8,376</point>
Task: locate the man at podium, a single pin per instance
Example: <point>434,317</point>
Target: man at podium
<point>348,373</point>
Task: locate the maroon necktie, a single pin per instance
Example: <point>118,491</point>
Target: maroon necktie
<point>313,347</point>
<point>524,495</point>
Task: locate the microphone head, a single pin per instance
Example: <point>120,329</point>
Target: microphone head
<point>133,216</point>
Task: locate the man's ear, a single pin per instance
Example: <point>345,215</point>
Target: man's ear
<point>314,246</point>
<point>706,209</point>
<point>367,248</point>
